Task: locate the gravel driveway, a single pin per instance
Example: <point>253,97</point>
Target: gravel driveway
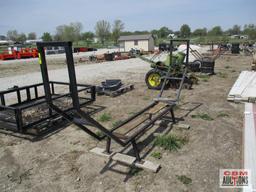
<point>85,73</point>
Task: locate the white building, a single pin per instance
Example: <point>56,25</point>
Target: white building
<point>140,42</point>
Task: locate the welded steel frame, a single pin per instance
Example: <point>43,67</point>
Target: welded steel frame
<point>85,119</point>
<point>29,100</point>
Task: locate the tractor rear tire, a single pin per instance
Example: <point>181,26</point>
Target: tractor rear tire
<point>153,79</point>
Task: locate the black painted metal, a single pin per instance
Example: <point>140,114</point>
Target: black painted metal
<point>78,113</point>
<point>13,113</point>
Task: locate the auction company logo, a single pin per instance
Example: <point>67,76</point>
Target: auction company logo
<point>235,178</point>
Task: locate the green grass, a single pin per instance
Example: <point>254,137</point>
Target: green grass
<point>116,123</point>
<point>222,75</point>
<point>233,71</point>
<point>146,98</point>
<point>203,116</point>
<point>170,142</point>
<point>134,171</point>
<point>222,114</point>
<point>105,117</point>
<point>156,155</point>
<point>203,78</point>
<point>99,133</point>
<point>184,179</point>
<point>227,67</point>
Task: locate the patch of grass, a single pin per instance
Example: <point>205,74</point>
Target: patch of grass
<point>116,123</point>
<point>222,114</point>
<point>157,155</point>
<point>222,75</point>
<point>134,171</point>
<point>204,78</point>
<point>203,116</point>
<point>170,142</point>
<point>233,71</point>
<point>131,113</point>
<point>99,133</point>
<point>146,98</point>
<point>227,67</point>
<point>105,117</point>
<point>184,179</point>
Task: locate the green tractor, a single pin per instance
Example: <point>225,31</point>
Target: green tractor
<point>155,77</point>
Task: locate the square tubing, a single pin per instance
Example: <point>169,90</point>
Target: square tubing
<point>18,96</point>
<point>2,100</point>
<point>72,75</point>
<point>36,92</point>
<point>45,76</point>
<point>52,86</point>
<point>136,150</point>
<point>108,144</point>
<point>28,94</point>
<point>19,122</point>
<point>173,116</point>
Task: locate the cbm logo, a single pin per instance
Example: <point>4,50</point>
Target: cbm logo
<point>235,178</point>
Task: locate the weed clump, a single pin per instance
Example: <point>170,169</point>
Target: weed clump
<point>170,142</point>
<point>105,117</point>
<point>222,114</point>
<point>184,179</point>
<point>157,155</point>
<point>203,116</point>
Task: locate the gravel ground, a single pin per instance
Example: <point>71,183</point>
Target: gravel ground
<point>85,73</point>
<point>62,162</point>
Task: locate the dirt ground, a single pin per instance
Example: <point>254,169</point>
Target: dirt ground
<point>62,162</point>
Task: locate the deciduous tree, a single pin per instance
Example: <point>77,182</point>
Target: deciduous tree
<point>47,36</point>
<point>102,30</point>
<point>185,30</point>
<point>117,28</point>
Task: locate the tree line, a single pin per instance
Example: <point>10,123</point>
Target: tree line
<point>105,31</point>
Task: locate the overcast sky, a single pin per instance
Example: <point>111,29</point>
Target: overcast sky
<point>44,15</point>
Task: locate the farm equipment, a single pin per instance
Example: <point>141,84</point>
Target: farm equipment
<point>19,53</point>
<point>155,77</point>
<point>6,55</point>
<point>27,53</point>
<point>205,63</point>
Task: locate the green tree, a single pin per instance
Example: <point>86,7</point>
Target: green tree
<point>117,28</point>
<point>102,30</point>
<point>32,36</point>
<point>163,32</point>
<point>200,32</point>
<point>185,30</point>
<point>250,30</point>
<point>71,32</point>
<point>22,38</point>
<point>236,30</point>
<point>140,32</point>
<point>47,36</point>
<point>215,31</point>
<point>12,35</point>
<point>87,36</point>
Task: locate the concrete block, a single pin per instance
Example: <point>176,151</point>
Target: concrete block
<point>182,126</point>
<point>148,165</point>
<point>158,134</point>
<point>126,159</point>
<point>158,122</point>
<point>101,152</point>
